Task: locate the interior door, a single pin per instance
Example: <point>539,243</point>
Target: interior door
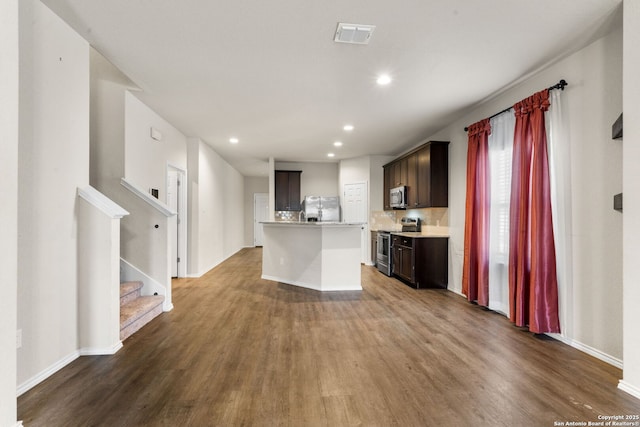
<point>356,207</point>
<point>260,213</point>
<point>173,195</point>
<point>177,201</point>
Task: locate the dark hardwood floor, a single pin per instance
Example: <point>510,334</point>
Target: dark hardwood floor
<point>241,351</point>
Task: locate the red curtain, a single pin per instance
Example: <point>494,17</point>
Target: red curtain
<point>475,270</point>
<point>533,286</point>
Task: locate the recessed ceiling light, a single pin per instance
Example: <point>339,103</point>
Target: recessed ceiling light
<point>338,144</point>
<point>383,79</point>
<point>331,155</point>
<point>234,140</point>
<point>348,128</point>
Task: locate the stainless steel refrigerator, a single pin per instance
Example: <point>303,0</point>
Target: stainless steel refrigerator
<point>318,208</point>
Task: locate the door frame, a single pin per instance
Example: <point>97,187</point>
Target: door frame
<point>182,217</point>
<point>365,236</point>
<point>255,212</point>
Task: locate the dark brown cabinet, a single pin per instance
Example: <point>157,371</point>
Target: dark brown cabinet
<point>425,172</point>
<point>287,190</point>
<point>386,185</point>
<point>421,262</point>
<point>403,262</point>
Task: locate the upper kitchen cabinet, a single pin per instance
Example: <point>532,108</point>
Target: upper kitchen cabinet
<point>399,172</point>
<point>386,185</point>
<point>396,174</point>
<point>432,188</point>
<point>287,190</point>
<point>425,172</point>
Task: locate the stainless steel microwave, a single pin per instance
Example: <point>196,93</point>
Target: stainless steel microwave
<point>398,197</point>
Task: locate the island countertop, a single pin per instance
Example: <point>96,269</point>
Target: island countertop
<point>313,223</point>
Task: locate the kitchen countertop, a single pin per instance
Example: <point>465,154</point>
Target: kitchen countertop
<point>418,234</point>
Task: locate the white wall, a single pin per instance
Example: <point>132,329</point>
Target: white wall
<point>376,201</point>
<point>98,280</point>
<point>146,159</point>
<point>631,182</point>
<point>354,170</point>
<point>118,120</point>
<point>366,169</point>
<point>594,102</point>
<point>317,179</point>
<point>108,89</point>
<point>193,201</point>
<point>252,185</point>
<point>216,208</point>
<point>53,163</point>
<point>145,240</point>
<point>9,103</point>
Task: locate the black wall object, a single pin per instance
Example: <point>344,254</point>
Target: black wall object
<point>617,202</point>
<point>616,129</point>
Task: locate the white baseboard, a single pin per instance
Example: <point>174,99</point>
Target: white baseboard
<point>214,265</point>
<point>607,358</point>
<point>19,424</point>
<point>575,344</point>
<point>628,388</point>
<point>107,351</point>
<point>208,269</point>
<point>38,378</point>
<point>457,292</point>
<point>310,285</point>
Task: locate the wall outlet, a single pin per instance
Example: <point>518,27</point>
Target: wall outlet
<point>19,338</point>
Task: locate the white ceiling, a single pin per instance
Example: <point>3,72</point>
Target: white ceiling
<point>270,74</point>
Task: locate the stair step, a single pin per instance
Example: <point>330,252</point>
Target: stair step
<point>129,291</point>
<point>137,313</point>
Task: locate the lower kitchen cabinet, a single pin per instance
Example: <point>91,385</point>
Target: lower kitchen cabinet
<point>421,262</point>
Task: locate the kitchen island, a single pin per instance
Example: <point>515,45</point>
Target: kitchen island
<point>324,256</point>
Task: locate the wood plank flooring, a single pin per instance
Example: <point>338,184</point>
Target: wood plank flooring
<point>241,351</point>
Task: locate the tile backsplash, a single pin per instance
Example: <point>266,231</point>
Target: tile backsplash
<point>390,220</point>
<point>384,220</point>
<point>287,215</point>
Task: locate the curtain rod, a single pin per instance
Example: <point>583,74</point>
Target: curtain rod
<point>560,85</point>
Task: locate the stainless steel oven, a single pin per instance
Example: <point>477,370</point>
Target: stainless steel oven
<point>383,254</point>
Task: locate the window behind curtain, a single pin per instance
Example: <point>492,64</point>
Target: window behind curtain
<point>500,159</point>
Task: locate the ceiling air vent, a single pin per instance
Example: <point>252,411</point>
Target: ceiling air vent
<point>353,33</point>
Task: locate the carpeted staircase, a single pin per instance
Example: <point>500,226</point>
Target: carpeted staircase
<point>136,310</point>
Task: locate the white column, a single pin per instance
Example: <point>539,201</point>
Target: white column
<point>9,72</point>
<point>272,188</point>
<point>631,191</point>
